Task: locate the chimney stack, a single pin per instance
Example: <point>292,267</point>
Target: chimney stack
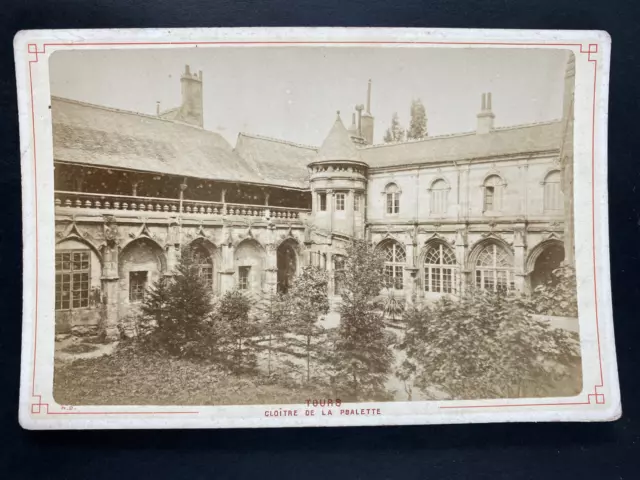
<point>369,97</point>
<point>486,116</point>
<point>191,110</point>
<point>359,109</point>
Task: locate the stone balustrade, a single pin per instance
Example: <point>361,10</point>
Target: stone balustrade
<point>103,201</point>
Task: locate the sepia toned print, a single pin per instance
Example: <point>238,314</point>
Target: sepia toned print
<point>325,253</point>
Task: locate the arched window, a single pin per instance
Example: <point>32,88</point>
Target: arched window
<point>492,194</point>
<point>553,199</point>
<point>392,196</point>
<point>494,269</point>
<point>338,274</point>
<point>395,258</point>
<point>204,264</point>
<point>439,196</point>
<point>440,271</point>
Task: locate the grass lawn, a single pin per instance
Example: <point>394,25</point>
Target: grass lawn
<point>129,377</point>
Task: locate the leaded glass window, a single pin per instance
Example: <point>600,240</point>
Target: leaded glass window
<point>440,270</point>
<point>72,279</point>
<point>395,259</point>
<point>494,269</point>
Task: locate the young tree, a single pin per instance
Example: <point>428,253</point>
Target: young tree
<point>362,353</point>
<point>273,315</point>
<point>308,298</point>
<point>418,124</point>
<point>485,345</point>
<point>234,332</point>
<point>395,133</point>
<point>155,306</point>
<point>181,308</point>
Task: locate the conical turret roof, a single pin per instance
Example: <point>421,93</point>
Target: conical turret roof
<point>338,144</point>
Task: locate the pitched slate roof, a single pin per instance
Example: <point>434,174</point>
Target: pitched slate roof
<point>338,145</point>
<point>281,162</point>
<point>100,136</point>
<point>467,146</point>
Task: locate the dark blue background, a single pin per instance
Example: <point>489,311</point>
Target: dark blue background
<point>567,451</point>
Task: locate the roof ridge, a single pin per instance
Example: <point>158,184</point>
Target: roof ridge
<point>278,140</point>
<point>130,112</point>
<point>461,134</point>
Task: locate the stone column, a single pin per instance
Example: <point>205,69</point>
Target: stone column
<point>409,277</point>
<point>330,200</point>
<point>173,252</point>
<point>519,257</point>
<point>226,262</point>
<point>466,271</point>
<point>350,206</point>
<point>109,280</point>
<point>271,271</point>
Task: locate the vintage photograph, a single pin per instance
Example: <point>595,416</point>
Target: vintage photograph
<point>278,225</point>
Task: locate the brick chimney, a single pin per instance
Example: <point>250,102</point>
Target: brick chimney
<point>486,116</point>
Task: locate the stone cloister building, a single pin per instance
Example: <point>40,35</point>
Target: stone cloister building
<point>483,208</point>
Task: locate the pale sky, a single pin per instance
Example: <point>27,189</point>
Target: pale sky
<point>293,93</point>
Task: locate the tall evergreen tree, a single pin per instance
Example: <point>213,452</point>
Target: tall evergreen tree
<point>308,299</point>
<point>395,133</point>
<point>180,307</point>
<point>418,124</point>
<point>362,358</point>
<point>235,332</point>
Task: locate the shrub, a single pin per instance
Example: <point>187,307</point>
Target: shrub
<point>559,297</point>
<point>484,345</point>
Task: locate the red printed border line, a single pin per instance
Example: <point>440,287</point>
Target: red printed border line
<point>38,407</point>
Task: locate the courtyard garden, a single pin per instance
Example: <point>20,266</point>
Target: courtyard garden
<point>191,349</point>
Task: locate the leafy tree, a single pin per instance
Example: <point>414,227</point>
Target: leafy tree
<point>308,299</point>
<point>559,296</point>
<point>418,124</point>
<point>395,133</point>
<point>180,308</point>
<point>485,345</point>
<point>362,357</point>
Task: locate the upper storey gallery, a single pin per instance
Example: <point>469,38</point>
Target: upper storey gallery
<point>505,172</point>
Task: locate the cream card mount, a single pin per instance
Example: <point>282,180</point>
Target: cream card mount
<point>259,227</point>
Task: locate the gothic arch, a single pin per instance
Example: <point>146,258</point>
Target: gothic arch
<point>153,247</point>
<point>434,243</point>
<point>388,240</point>
<point>287,263</point>
<point>475,250</point>
<point>78,238</point>
<point>250,263</point>
<point>539,249</point>
<point>208,245</point>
